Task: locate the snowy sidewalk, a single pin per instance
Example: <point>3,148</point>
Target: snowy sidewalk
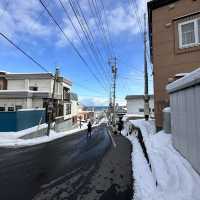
<point>175,177</point>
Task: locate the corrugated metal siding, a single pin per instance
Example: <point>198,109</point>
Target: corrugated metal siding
<point>185,113</point>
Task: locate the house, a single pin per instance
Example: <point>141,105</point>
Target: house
<point>174,38</point>
<point>33,90</point>
<point>135,106</point>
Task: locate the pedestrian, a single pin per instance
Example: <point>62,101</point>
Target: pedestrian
<point>115,129</point>
<point>120,126</point>
<point>89,131</point>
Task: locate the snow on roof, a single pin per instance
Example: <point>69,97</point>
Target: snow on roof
<point>188,80</point>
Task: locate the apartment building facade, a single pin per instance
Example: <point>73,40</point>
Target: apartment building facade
<point>33,90</point>
<point>174,37</point>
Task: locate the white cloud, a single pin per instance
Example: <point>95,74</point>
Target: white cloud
<point>99,101</point>
<point>94,101</point>
<point>26,18</point>
<point>22,17</point>
<point>121,18</point>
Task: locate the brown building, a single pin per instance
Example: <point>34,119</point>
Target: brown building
<point>174,35</point>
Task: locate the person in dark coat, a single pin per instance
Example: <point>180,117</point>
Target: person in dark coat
<point>89,131</point>
<point>120,126</point>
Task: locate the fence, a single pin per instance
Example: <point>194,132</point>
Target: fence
<point>21,119</point>
<point>185,116</point>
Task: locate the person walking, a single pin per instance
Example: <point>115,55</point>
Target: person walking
<point>89,131</point>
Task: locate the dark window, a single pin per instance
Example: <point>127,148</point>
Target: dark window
<point>33,88</point>
<point>141,109</point>
<point>68,109</point>
<point>11,109</point>
<point>18,107</point>
<point>2,109</point>
<point>152,109</point>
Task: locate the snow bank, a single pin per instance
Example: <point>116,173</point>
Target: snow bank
<point>176,179</point>
<point>12,139</point>
<point>18,134</point>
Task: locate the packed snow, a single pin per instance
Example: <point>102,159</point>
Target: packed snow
<point>12,139</point>
<point>175,177</point>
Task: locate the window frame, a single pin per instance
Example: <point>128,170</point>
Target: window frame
<point>3,110</point>
<point>33,88</point>
<point>11,109</point>
<point>196,35</point>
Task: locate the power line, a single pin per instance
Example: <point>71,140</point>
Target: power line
<point>91,44</point>
<point>23,52</point>
<point>78,34</point>
<point>35,61</point>
<point>141,28</point>
<point>108,29</point>
<point>102,27</point>
<point>81,18</point>
<point>71,43</point>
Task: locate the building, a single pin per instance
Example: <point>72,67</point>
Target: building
<point>135,106</point>
<point>33,90</point>
<point>174,37</point>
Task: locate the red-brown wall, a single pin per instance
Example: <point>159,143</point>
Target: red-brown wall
<point>168,59</point>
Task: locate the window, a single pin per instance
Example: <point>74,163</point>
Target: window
<point>33,88</point>
<point>68,109</point>
<point>18,107</point>
<point>189,33</point>
<point>2,109</point>
<point>11,109</point>
<point>141,109</point>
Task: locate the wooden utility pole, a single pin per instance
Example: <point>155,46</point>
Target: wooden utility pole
<point>51,108</point>
<point>146,95</point>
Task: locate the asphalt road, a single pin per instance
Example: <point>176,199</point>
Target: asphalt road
<point>25,172</point>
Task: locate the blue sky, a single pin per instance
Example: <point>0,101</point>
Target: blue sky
<point>29,26</point>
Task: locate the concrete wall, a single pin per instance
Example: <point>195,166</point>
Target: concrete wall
<point>133,106</point>
<point>26,103</point>
<point>75,108</point>
<point>20,120</point>
<point>44,85</point>
<point>13,102</point>
<point>16,85</point>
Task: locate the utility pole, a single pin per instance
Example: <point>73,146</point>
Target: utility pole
<point>110,107</point>
<point>51,102</point>
<point>146,95</point>
<point>113,64</point>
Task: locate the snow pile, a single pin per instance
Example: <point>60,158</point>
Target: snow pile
<point>12,139</point>
<point>176,179</point>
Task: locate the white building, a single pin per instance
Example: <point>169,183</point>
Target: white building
<point>135,105</point>
<point>33,90</point>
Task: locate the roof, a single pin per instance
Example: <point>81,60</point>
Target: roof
<point>19,76</point>
<point>151,5</point>
<point>130,97</point>
<point>187,81</point>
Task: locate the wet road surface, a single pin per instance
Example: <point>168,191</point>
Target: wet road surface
<point>68,168</point>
